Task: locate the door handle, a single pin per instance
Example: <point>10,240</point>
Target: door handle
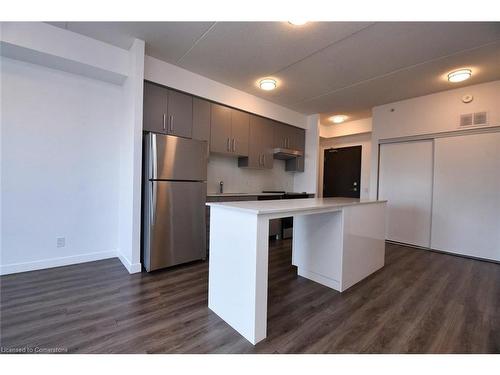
<point>153,201</point>
<point>153,156</point>
<point>164,120</point>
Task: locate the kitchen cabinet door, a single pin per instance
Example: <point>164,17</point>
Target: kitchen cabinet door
<point>279,134</point>
<point>239,132</point>
<point>267,144</point>
<point>201,119</point>
<point>297,138</point>
<point>180,114</point>
<point>256,150</point>
<point>220,129</point>
<point>155,108</point>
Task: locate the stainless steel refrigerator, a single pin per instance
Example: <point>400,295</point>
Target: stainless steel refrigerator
<point>174,194</point>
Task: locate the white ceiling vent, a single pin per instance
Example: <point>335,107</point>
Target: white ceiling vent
<point>474,119</point>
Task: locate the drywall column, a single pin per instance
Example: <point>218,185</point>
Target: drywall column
<point>129,226</point>
<point>308,180</point>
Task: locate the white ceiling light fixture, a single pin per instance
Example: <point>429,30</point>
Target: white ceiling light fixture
<point>268,84</point>
<point>337,119</point>
<point>297,22</point>
<point>459,75</point>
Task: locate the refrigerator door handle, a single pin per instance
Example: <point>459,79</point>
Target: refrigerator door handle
<point>153,201</point>
<point>153,155</point>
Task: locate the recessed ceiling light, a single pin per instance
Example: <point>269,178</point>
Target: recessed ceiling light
<point>267,84</point>
<point>459,75</point>
<point>337,119</point>
<point>297,22</point>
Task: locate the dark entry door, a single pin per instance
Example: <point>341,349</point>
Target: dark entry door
<point>342,172</point>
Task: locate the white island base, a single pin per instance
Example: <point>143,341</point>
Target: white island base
<point>336,242</point>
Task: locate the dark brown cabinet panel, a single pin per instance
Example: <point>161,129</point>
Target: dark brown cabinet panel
<point>180,114</point>
<point>239,132</point>
<point>279,134</point>
<point>201,119</point>
<point>167,111</point>
<point>155,108</point>
<point>260,144</point>
<point>220,132</point>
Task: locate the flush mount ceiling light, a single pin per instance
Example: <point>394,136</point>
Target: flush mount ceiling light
<point>459,75</point>
<point>297,22</point>
<point>337,119</point>
<point>267,84</point>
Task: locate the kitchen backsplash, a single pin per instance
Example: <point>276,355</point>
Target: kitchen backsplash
<point>243,180</point>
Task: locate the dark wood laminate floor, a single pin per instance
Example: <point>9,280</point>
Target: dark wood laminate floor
<point>420,302</point>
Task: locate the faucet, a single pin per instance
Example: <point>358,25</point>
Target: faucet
<point>221,187</point>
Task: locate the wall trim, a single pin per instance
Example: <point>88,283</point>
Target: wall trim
<point>55,262</point>
<point>131,268</point>
<point>452,133</point>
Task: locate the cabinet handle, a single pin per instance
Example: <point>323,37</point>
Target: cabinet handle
<point>260,160</point>
<point>227,145</point>
<point>171,123</point>
<point>164,120</point>
<point>234,145</point>
<point>264,160</point>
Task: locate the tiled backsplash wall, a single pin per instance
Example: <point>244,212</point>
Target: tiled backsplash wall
<point>243,180</point>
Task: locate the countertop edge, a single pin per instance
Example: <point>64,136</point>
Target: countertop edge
<point>227,205</point>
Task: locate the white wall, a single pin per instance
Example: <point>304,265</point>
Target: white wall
<point>308,180</point>
<point>51,46</point>
<point>172,76</point>
<point>363,140</point>
<point>347,128</point>
<point>430,114</point>
<point>60,167</point>
<point>130,161</point>
<point>243,180</point>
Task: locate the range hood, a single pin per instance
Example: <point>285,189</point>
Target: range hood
<point>286,153</point>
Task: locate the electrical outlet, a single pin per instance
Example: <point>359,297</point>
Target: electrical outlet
<point>61,242</point>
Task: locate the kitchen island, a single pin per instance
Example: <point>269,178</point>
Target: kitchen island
<point>337,242</point>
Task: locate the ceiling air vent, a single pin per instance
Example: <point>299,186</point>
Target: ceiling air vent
<point>466,119</point>
<point>474,119</point>
<point>480,118</point>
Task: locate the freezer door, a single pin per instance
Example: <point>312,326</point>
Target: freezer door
<point>174,221</point>
<point>174,158</point>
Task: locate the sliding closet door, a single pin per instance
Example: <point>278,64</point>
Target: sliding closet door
<point>466,203</point>
<point>405,180</point>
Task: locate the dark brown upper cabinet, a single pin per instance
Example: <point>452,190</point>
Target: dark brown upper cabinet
<point>229,131</point>
<point>260,145</point>
<point>286,136</point>
<point>201,119</point>
<point>155,108</point>
<point>180,114</point>
<point>167,111</point>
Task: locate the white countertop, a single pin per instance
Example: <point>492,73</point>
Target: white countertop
<point>292,205</point>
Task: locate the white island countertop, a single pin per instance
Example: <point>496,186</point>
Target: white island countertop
<point>292,205</point>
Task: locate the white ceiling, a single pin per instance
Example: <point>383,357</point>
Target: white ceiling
<point>321,67</point>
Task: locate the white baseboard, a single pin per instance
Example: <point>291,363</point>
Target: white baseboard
<point>131,268</point>
<point>56,262</point>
